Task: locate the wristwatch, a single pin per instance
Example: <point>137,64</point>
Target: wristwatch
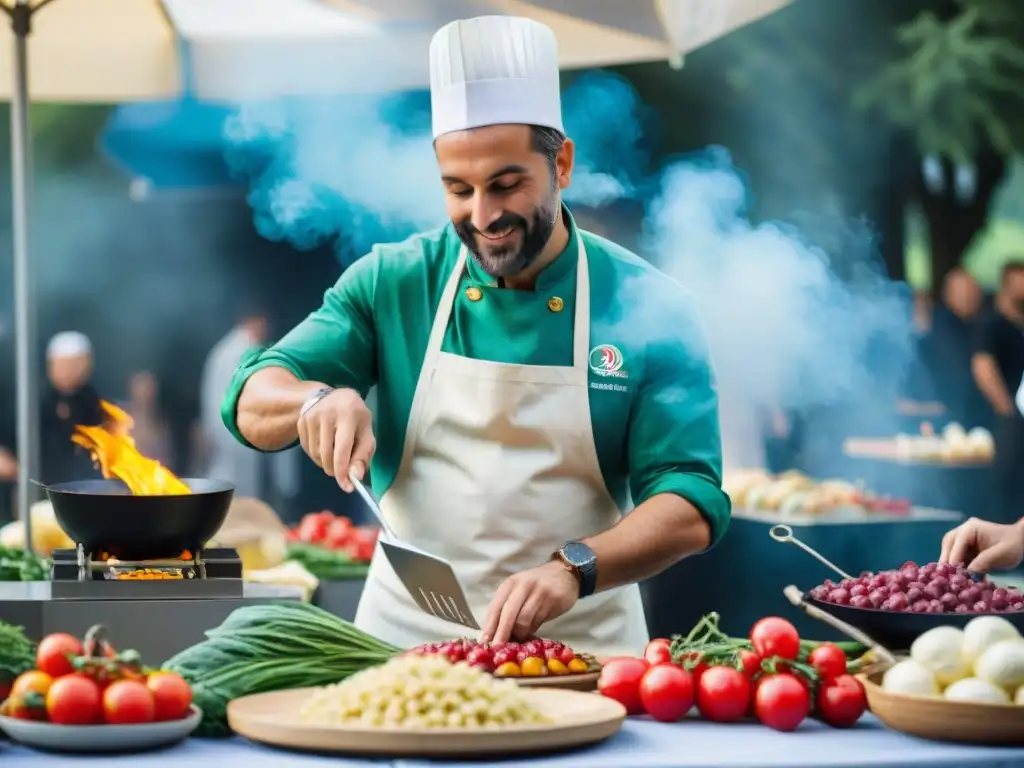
<point>581,562</point>
<point>316,397</point>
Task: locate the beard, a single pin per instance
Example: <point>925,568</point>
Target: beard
<point>527,239</point>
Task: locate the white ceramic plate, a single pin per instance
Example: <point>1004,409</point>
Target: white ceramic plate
<point>100,738</point>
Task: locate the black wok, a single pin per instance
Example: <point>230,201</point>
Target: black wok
<point>103,516</point>
<point>897,630</point>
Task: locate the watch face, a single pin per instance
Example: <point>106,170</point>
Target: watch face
<point>577,554</point>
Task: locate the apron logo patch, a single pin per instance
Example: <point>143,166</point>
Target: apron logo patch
<point>606,360</point>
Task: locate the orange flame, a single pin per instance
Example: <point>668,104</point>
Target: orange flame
<point>113,448</point>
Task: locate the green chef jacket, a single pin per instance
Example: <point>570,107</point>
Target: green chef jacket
<point>655,422</point>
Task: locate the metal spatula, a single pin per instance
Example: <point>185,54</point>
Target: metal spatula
<point>430,580</point>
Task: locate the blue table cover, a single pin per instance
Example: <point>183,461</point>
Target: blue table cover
<point>642,743</point>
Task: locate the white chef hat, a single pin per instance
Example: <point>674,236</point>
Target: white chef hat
<point>494,70</point>
<point>68,344</point>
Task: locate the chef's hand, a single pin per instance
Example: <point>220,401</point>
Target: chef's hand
<point>527,600</point>
<point>337,434</point>
<point>984,546</point>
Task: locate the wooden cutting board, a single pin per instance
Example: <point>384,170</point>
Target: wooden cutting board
<point>580,719</point>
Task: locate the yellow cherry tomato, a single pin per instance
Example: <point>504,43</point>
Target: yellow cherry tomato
<point>508,669</point>
<point>578,666</point>
<point>533,667</point>
<point>556,667</point>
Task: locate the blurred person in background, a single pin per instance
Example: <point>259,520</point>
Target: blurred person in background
<point>998,367</point>
<point>942,382</point>
<point>151,432</point>
<point>271,478</point>
<point>68,401</point>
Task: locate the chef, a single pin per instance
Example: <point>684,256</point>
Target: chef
<point>534,380</point>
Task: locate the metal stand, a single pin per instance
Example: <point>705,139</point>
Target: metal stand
<point>21,13</point>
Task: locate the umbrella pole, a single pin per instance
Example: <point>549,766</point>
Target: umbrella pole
<point>24,288</point>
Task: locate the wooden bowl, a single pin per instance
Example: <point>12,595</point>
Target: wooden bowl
<point>941,720</point>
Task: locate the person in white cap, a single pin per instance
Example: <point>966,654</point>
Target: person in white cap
<point>534,381</point>
<point>69,400</point>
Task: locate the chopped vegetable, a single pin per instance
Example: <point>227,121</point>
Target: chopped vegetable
<point>533,658</point>
<point>272,647</point>
<point>422,691</point>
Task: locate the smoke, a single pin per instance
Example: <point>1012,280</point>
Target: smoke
<point>791,323</point>
<point>786,329</point>
<point>360,170</point>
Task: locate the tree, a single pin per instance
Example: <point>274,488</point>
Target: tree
<point>958,91</point>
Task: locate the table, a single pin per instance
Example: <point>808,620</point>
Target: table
<point>966,486</point>
<point>642,743</point>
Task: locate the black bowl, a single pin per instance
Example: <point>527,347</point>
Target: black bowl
<point>103,516</point>
<point>897,630</point>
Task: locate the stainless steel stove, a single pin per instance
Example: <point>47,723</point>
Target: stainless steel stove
<point>158,616</point>
<point>210,573</point>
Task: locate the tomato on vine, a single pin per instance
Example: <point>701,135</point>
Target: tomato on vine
<point>775,637</point>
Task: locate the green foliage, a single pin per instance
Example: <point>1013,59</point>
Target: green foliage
<point>959,85</point>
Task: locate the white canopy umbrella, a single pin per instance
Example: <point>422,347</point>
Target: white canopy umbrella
<point>236,50</point>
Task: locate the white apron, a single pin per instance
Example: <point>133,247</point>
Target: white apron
<point>499,470</point>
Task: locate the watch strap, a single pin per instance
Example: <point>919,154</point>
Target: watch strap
<point>584,571</point>
<point>315,398</point>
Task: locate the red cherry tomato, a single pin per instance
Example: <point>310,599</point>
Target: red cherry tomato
<point>723,694</point>
<point>828,660</point>
<point>666,692</point>
<point>339,533</point>
<point>73,700</point>
<point>749,663</point>
<point>782,702</point>
<point>841,701</point>
<point>172,696</point>
<point>55,653</point>
<point>775,637</point>
<point>313,528</point>
<point>658,651</point>
<point>127,702</point>
<point>620,680</point>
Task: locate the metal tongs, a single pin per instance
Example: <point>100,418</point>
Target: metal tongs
<point>431,581</point>
<point>784,535</point>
